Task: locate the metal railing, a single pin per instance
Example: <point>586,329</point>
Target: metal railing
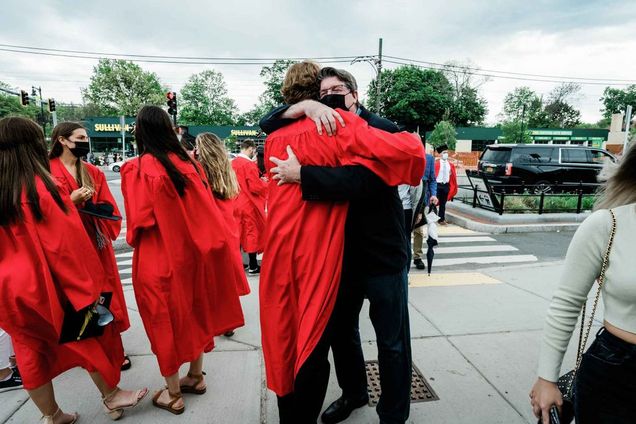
<point>520,198</point>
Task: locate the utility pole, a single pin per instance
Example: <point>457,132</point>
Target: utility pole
<point>42,117</point>
<point>379,81</point>
<point>628,119</point>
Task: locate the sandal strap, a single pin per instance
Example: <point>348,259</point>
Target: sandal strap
<point>197,377</point>
<point>109,396</point>
<point>50,417</point>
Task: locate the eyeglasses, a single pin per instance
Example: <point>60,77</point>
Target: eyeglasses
<point>336,89</point>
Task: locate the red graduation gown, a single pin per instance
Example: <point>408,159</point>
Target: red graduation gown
<point>250,204</point>
<point>305,240</point>
<point>110,229</point>
<point>452,182</point>
<point>236,270</point>
<point>182,252</point>
<point>42,266</point>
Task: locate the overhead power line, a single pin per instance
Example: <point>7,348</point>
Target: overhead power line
<point>607,83</point>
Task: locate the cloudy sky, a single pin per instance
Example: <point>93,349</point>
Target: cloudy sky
<point>591,40</point>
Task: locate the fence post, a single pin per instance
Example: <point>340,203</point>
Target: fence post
<point>541,202</point>
<point>475,196</point>
<point>503,197</point>
<point>579,203</point>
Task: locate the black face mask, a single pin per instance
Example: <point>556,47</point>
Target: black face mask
<point>335,101</point>
<point>80,149</point>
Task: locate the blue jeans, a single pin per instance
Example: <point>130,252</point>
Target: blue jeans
<point>389,315</point>
<point>605,383</point>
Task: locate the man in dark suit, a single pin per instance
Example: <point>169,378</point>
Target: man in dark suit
<point>374,261</point>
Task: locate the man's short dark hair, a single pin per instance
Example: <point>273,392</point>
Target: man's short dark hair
<point>247,143</point>
<point>344,76</point>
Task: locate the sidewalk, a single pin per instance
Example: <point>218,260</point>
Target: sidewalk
<point>475,338</point>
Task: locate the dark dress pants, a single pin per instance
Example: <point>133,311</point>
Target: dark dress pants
<point>303,405</point>
<point>442,196</point>
<point>408,228</point>
<point>388,311</point>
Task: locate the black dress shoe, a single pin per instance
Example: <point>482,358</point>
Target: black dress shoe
<point>419,264</point>
<point>340,409</point>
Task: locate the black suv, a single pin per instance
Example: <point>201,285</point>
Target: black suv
<point>540,166</point>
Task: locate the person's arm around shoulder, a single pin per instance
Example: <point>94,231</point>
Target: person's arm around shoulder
<point>582,267</point>
<point>323,116</point>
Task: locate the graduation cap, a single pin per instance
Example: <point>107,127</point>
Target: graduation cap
<point>100,210</point>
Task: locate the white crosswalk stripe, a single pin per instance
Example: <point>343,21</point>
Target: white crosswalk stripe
<point>462,248</point>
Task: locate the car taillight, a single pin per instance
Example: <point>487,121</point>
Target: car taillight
<point>508,169</point>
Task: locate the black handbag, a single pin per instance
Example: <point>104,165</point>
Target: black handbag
<point>566,381</point>
<point>87,322</point>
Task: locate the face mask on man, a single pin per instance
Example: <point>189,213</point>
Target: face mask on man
<point>334,101</point>
<point>80,149</point>
<point>444,156</point>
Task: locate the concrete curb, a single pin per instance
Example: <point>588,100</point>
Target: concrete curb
<point>490,222</point>
<point>120,245</point>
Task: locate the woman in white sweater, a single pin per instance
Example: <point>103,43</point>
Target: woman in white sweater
<point>605,384</point>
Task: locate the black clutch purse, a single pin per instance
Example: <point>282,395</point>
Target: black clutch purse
<point>87,322</point>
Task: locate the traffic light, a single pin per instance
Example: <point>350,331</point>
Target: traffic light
<point>51,105</point>
<point>172,102</point>
<point>24,98</point>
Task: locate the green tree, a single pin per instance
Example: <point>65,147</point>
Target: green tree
<point>413,97</point>
<point>615,100</point>
<point>122,87</point>
<point>468,108</point>
<point>443,134</point>
<point>524,104</point>
<point>515,132</point>
<point>273,79</point>
<point>204,100</point>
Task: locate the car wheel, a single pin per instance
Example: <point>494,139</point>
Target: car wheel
<point>542,186</point>
<point>116,168</point>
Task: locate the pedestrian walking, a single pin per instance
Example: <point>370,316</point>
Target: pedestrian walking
<point>250,204</point>
<point>446,177</point>
<point>182,249</point>
<point>49,273</point>
<point>601,250</point>
<point>374,260</point>
<point>89,192</point>
<point>430,198</point>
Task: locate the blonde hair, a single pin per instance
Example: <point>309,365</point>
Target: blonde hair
<point>216,164</point>
<point>620,188</point>
<point>301,82</point>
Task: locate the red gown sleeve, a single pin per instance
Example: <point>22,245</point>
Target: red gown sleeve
<point>73,262</point>
<point>255,184</point>
<point>138,191</point>
<point>452,183</point>
<point>396,158</point>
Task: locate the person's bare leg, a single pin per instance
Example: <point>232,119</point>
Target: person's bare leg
<point>174,386</point>
<point>44,398</point>
<point>121,398</point>
<point>196,368</point>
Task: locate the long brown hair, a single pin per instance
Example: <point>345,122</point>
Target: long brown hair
<point>217,166</point>
<point>620,188</point>
<point>22,158</point>
<point>155,136</point>
<point>65,130</point>
<point>301,82</point>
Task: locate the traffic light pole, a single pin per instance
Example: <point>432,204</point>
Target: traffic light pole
<point>42,120</point>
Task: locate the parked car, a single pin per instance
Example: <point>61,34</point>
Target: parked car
<point>541,166</point>
<point>116,166</point>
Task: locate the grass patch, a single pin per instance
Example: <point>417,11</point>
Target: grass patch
<point>552,203</point>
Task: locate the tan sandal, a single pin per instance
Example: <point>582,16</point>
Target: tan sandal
<point>193,388</point>
<point>118,412</point>
<point>50,419</point>
<point>168,407</point>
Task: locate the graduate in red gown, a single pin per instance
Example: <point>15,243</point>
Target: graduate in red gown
<point>46,263</point>
<point>211,153</point>
<point>181,259</point>
<point>84,183</point>
<point>305,240</point>
<point>250,204</point>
